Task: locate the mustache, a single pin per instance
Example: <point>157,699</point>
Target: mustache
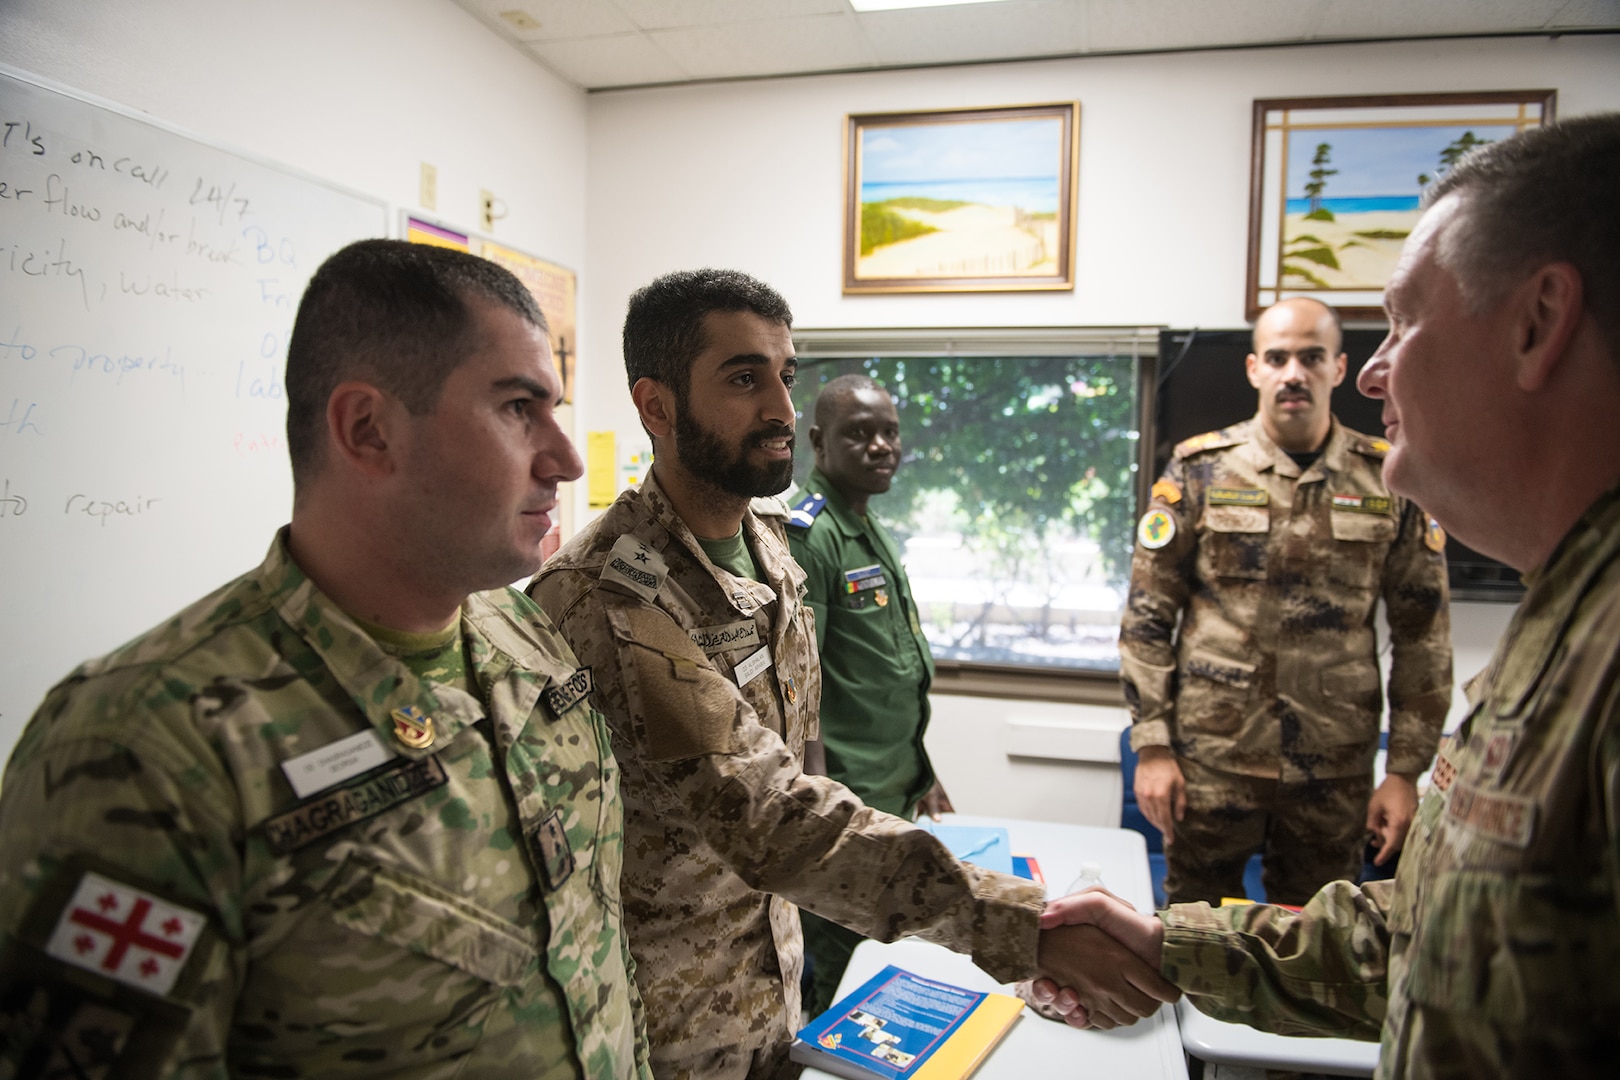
<point>782,431</point>
<point>1292,393</point>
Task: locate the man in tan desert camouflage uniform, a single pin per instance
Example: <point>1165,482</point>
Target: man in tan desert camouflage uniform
<point>689,611</point>
<point>1493,952</point>
<point>1257,720</point>
<point>347,816</point>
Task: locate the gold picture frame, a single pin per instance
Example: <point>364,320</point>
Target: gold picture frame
<point>961,200</point>
<point>1335,185</point>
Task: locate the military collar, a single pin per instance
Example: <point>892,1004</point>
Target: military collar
<point>1267,454</point>
<point>1554,592</point>
<point>849,522</point>
<point>379,685</point>
<point>744,594</point>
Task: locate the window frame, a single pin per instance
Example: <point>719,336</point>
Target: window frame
<point>1141,343</point>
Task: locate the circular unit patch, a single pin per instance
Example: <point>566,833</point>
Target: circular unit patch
<point>1156,529</point>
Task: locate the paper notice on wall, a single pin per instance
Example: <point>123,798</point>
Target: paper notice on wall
<point>601,468</point>
<point>635,458</point>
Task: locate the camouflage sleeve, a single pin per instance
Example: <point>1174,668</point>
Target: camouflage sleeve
<point>1322,971</point>
<point>1418,603</point>
<point>806,838</point>
<point>638,1011</point>
<point>818,592</point>
<point>1160,582</point>
<point>111,786</point>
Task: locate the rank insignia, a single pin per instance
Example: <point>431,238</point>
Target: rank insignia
<point>1157,529</point>
<point>412,727</point>
<point>1168,490</point>
<point>1434,536</point>
<point>549,842</point>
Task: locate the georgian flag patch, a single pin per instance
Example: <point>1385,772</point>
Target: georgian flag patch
<point>122,933</point>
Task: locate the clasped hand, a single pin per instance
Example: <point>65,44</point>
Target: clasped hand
<point>1100,962</point>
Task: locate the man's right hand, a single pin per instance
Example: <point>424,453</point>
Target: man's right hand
<point>1161,791</point>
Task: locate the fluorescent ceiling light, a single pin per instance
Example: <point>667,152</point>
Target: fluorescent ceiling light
<point>891,5</point>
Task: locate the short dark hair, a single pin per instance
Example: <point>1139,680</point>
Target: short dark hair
<point>830,401</point>
<point>395,314</point>
<point>663,326</point>
<point>1549,194</point>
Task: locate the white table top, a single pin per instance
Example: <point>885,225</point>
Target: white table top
<point>1237,1044</point>
<point>1149,1049</point>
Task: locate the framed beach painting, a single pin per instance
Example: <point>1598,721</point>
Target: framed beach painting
<point>962,200</point>
<point>1337,181</point>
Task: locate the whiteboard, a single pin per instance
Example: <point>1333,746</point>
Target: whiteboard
<point>148,282</point>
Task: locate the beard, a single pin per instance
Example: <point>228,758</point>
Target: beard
<point>727,468</point>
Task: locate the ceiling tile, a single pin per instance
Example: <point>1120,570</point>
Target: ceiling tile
<point>673,14</point>
<point>977,32</point>
<point>813,43</point>
<point>558,19</point>
<point>1136,25</point>
<point>618,60</point>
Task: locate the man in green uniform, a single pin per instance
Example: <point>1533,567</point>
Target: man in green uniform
<point>1493,952</point>
<point>875,663</point>
<point>350,815</point>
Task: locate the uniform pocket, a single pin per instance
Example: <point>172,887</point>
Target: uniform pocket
<point>1355,684</point>
<point>1214,697</point>
<point>1361,543</point>
<point>1516,950</point>
<point>423,919</point>
<point>1235,541</point>
<point>679,701</point>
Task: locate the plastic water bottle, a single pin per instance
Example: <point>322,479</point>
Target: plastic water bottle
<point>1090,876</point>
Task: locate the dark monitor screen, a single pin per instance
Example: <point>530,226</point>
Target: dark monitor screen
<point>1202,387</point>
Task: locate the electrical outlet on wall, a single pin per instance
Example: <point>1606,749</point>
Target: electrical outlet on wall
<point>486,210</point>
<point>429,194</point>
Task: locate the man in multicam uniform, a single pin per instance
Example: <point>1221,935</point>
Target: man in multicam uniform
<point>346,816</point>
<point>1257,721</point>
<point>687,607</point>
<point>1493,952</point>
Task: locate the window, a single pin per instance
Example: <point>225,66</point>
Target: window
<point>1016,497</point>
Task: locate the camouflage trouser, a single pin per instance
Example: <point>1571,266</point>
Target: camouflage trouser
<point>1308,834</point>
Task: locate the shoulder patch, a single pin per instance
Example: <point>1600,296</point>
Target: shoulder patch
<point>1168,490</point>
<point>1209,440</point>
<point>635,566</point>
<point>805,510</point>
<point>1156,529</point>
<point>123,933</point>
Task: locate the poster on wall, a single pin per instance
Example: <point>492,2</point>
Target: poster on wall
<point>420,231</point>
<point>553,288</point>
<point>1336,184</point>
<point>962,200</point>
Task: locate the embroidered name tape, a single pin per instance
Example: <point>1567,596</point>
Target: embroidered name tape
<point>311,821</point>
<point>867,577</point>
<point>1231,496</point>
<point>570,692</point>
<point>1363,504</point>
<point>335,762</point>
<point>120,932</point>
<point>716,639</point>
<point>1507,818</point>
<point>636,566</point>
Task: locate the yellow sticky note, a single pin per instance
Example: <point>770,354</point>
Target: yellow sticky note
<point>601,468</point>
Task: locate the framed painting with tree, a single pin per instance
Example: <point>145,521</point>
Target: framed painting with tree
<point>961,200</point>
<point>1336,184</point>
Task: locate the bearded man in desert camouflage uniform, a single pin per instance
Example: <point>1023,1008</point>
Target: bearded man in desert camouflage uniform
<point>1493,952</point>
<point>349,815</point>
<point>1256,720</point>
<point>687,607</point>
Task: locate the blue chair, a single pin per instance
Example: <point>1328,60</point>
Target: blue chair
<point>1131,817</point>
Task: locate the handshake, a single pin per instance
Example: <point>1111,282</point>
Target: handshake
<point>1099,960</point>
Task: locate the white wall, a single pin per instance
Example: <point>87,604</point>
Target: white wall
<point>750,175</point>
<point>359,92</point>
